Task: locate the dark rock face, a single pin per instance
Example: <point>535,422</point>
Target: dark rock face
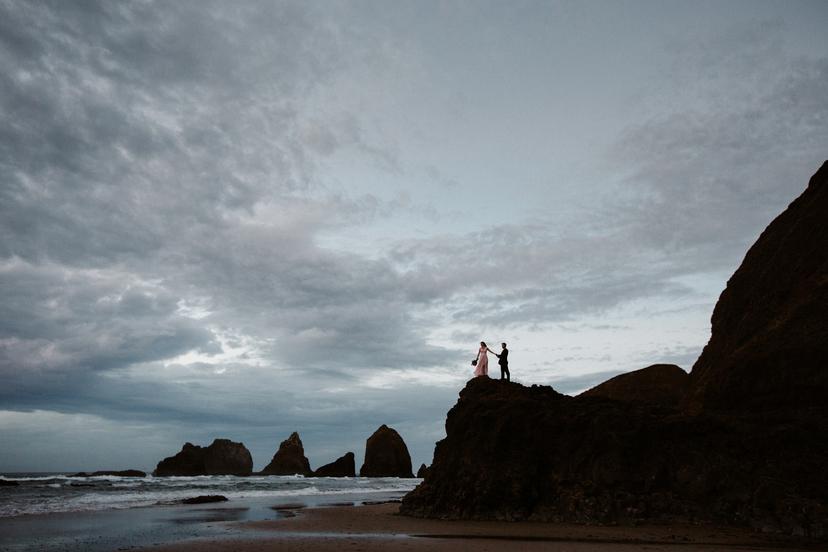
<point>530,453</point>
<point>122,473</point>
<point>6,483</point>
<point>746,445</point>
<point>769,341</point>
<point>190,461</point>
<point>204,499</point>
<point>659,384</point>
<point>423,471</point>
<point>222,457</point>
<point>289,459</point>
<point>343,466</point>
<point>386,455</point>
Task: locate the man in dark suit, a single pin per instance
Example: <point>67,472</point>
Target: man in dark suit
<point>503,360</point>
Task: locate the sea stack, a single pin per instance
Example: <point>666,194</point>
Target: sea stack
<point>344,466</point>
<point>747,445</point>
<point>659,384</point>
<point>386,455</point>
<point>222,457</point>
<point>289,459</point>
<point>423,471</point>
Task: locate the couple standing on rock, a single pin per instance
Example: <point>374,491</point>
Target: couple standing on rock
<point>481,363</point>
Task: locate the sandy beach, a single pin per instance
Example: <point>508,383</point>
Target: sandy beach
<point>380,528</point>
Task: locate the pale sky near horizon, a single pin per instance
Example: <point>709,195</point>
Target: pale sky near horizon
<point>242,220</point>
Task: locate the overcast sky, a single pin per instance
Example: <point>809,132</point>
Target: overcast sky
<point>243,219</point>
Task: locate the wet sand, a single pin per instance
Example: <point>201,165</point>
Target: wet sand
<point>381,528</point>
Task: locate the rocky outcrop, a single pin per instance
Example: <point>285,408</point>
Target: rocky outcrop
<point>768,348</point>
<point>530,453</point>
<point>121,473</point>
<point>289,459</point>
<point>7,483</point>
<point>222,457</point>
<point>386,455</point>
<point>659,384</point>
<point>746,445</point>
<point>423,471</point>
<point>204,499</point>
<point>343,466</point>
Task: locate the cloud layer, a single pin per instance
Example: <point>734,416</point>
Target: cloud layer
<point>179,186</point>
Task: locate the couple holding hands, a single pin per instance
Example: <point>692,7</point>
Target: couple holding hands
<point>481,363</point>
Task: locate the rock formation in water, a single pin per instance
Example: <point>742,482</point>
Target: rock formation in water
<point>660,384</point>
<point>204,499</point>
<point>289,459</point>
<point>423,471</point>
<point>222,457</point>
<point>343,466</point>
<point>768,348</point>
<point>747,444</point>
<point>386,455</point>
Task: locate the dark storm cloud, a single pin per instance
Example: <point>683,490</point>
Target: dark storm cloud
<point>257,405</point>
<point>146,138</point>
<point>90,320</point>
<point>127,118</point>
<point>62,329</point>
<point>153,162</point>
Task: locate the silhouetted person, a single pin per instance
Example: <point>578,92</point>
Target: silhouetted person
<point>503,360</point>
<point>481,363</point>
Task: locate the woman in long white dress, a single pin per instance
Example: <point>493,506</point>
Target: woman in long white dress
<point>482,367</point>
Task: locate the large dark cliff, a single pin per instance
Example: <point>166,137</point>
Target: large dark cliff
<point>768,348</point>
<point>514,452</point>
<point>746,443</point>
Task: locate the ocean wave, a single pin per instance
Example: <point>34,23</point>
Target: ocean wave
<point>52,494</point>
<point>32,479</point>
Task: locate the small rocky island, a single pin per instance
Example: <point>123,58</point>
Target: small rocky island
<point>222,457</point>
<point>742,440</point>
<point>386,455</point>
<point>345,466</point>
<point>289,459</point>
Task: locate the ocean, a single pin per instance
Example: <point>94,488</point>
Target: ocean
<point>61,512</point>
<point>39,493</point>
